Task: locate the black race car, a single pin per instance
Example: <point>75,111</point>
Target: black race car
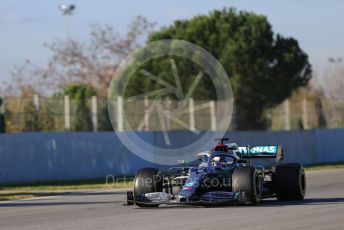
<point>227,174</point>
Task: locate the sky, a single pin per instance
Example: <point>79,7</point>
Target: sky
<point>26,24</point>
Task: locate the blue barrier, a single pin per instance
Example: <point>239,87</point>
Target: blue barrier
<point>329,145</point>
<point>34,157</point>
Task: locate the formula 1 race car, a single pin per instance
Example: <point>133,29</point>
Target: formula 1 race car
<point>227,174</point>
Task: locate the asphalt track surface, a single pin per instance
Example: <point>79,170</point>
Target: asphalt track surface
<point>322,209</point>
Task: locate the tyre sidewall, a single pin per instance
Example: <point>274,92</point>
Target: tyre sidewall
<point>290,182</point>
<point>248,180</point>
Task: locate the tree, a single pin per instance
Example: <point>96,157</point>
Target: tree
<point>47,116</point>
<point>2,119</point>
<point>322,122</point>
<point>30,117</point>
<point>104,122</point>
<point>330,85</point>
<point>264,68</point>
<point>332,82</point>
<point>91,62</point>
<point>79,93</point>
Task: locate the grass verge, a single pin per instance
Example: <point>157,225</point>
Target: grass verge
<point>29,190</point>
<point>324,166</point>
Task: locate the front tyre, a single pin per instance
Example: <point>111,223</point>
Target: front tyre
<point>148,180</point>
<point>248,180</point>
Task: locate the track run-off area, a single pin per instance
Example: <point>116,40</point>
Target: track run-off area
<point>323,208</point>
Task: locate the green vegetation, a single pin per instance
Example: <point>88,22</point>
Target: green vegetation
<point>264,68</point>
<point>70,185</point>
<point>104,122</point>
<point>29,190</point>
<point>4,196</point>
<point>78,94</point>
<point>324,166</point>
<point>2,119</point>
<point>30,118</point>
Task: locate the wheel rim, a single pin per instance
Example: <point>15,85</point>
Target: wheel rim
<point>302,182</point>
<point>258,186</point>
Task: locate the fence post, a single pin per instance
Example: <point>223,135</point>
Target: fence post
<point>191,114</point>
<point>94,113</point>
<point>167,112</point>
<point>3,107</point>
<point>212,116</point>
<point>286,115</point>
<point>146,117</point>
<point>67,112</point>
<point>304,113</point>
<point>119,113</point>
<point>36,102</point>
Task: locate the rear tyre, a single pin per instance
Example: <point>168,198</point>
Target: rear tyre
<point>148,180</point>
<point>248,180</point>
<point>290,181</point>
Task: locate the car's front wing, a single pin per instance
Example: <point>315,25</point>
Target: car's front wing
<point>209,198</point>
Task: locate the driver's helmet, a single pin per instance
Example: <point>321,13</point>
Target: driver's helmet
<point>233,149</point>
<point>232,146</point>
<point>216,161</point>
<point>222,161</point>
<point>234,154</point>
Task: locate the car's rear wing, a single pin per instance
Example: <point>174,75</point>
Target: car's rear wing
<point>264,151</point>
